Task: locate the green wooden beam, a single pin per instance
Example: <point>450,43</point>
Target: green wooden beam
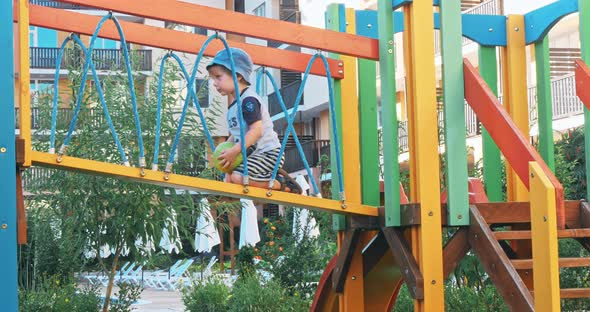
<point>454,112</point>
<point>492,163</point>
<point>335,19</point>
<point>389,114</point>
<point>368,132</point>
<point>584,9</point>
<point>544,102</point>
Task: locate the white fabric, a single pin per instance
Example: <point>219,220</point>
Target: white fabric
<point>165,242</point>
<point>303,224</point>
<point>206,235</point>
<point>249,235</point>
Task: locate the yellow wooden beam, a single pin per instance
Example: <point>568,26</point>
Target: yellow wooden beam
<point>352,298</point>
<point>515,94</point>
<point>421,34</point>
<point>24,79</point>
<point>544,239</point>
<point>408,62</point>
<point>198,184</point>
<point>350,121</point>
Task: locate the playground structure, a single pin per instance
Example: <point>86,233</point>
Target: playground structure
<point>380,246</point>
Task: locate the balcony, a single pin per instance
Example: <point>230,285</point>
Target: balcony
<point>64,116</point>
<point>59,5</point>
<point>289,93</point>
<point>104,59</point>
<point>313,150</point>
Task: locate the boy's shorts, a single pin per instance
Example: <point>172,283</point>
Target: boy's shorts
<point>261,165</point>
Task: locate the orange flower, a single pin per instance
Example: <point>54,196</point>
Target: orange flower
<point>273,228</point>
<point>255,249</point>
<point>265,221</point>
<point>271,243</point>
<point>280,248</point>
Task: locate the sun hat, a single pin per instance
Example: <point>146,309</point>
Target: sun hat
<point>242,62</point>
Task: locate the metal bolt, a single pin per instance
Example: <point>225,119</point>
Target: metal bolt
<point>490,29</point>
<point>532,175</point>
<point>246,190</point>
<point>269,193</point>
<point>516,29</point>
<point>390,42</point>
<point>390,51</point>
<point>544,218</point>
<point>369,26</point>
<point>353,278</point>
<point>3,149</point>
<point>460,217</point>
<point>346,23</point>
<point>340,71</point>
<point>430,213</point>
<point>142,172</point>
<point>4,226</point>
<point>343,206</point>
<point>433,282</point>
<point>340,64</point>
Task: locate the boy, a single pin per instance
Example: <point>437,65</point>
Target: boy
<point>261,140</point>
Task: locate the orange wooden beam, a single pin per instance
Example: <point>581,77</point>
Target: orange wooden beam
<point>175,40</point>
<point>583,82</point>
<point>243,24</point>
<point>517,150</point>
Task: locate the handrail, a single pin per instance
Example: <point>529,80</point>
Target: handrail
<point>506,134</point>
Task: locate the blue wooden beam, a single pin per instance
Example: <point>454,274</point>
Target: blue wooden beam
<point>487,30</point>
<point>539,22</point>
<point>8,264</point>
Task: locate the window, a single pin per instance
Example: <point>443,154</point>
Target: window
<point>260,10</point>
<point>263,84</point>
<point>202,89</point>
<point>200,31</point>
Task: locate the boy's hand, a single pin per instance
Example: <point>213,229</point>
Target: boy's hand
<point>228,156</point>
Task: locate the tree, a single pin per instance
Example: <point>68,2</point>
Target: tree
<point>96,211</point>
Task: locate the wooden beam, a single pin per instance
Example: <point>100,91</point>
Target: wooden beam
<point>408,265</point>
<point>347,249</point>
<point>243,24</point>
<point>454,251</point>
<point>520,235</point>
<point>497,265</point>
<point>174,40</point>
<point>196,184</point>
<point>526,264</point>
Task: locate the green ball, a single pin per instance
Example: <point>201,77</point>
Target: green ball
<point>218,150</point>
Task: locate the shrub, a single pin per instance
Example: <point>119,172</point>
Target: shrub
<point>249,295</point>
<point>53,296</point>
<point>211,296</point>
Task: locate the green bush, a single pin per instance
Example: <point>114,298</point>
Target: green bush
<point>209,297</point>
<point>53,296</point>
<point>249,295</point>
<point>128,294</point>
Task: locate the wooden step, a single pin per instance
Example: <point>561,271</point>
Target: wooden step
<point>572,293</point>
<point>527,264</point>
<point>518,235</point>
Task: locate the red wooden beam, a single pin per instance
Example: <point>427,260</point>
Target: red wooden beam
<point>517,150</point>
<point>175,40</point>
<point>583,82</point>
<point>243,24</point>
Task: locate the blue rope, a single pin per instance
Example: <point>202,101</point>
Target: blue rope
<point>186,101</point>
<point>290,128</point>
<point>82,87</point>
<point>292,117</point>
<point>100,94</point>
<point>159,108</point>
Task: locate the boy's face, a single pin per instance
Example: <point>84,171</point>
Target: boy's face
<point>222,80</point>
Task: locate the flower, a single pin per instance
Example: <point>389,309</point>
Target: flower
<point>280,248</point>
<point>271,243</point>
<point>265,221</point>
<point>67,300</point>
<point>273,228</point>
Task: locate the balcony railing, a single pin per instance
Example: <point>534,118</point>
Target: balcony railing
<point>104,59</point>
<point>59,5</point>
<point>564,99</point>
<point>289,93</point>
<point>313,150</point>
<point>64,116</point>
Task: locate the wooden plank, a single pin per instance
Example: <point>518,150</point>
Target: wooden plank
<point>24,80</point>
<point>572,293</point>
<point>454,112</point>
<point>389,114</point>
<point>158,37</point>
<point>403,256</point>
<point>544,240</point>
<point>455,249</point>
<point>584,223</point>
<point>504,276</point>
<point>520,235</point>
<point>347,249</point>
<point>492,162</point>
<point>20,151</point>
<point>519,212</point>
<point>196,184</point>
<point>544,102</point>
<point>515,147</point>
<point>242,24</point>
<point>525,264</point>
